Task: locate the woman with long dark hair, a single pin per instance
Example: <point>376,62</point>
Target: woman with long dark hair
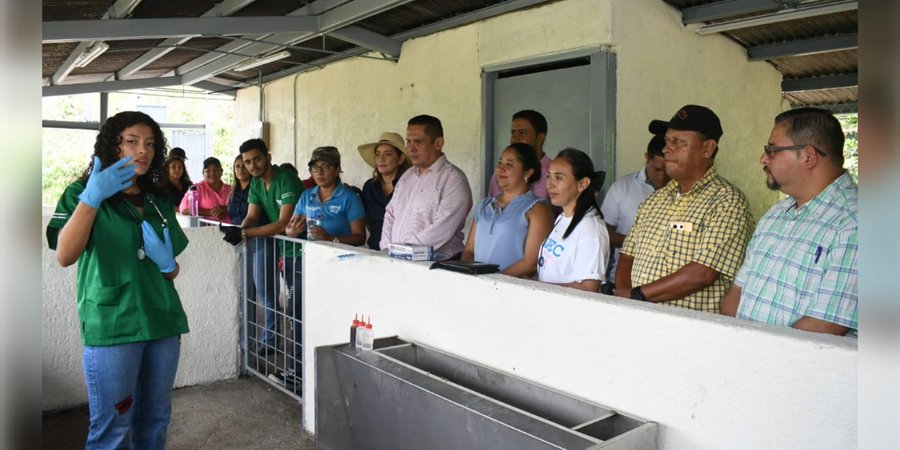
<point>177,180</point>
<point>237,198</point>
<point>577,249</point>
<point>120,227</point>
<point>508,228</point>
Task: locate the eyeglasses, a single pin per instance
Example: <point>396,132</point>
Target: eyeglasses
<point>319,168</point>
<point>772,149</point>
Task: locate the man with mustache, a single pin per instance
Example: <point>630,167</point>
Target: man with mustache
<point>689,236</point>
<point>800,269</point>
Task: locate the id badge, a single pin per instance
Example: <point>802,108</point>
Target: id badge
<point>683,227</point>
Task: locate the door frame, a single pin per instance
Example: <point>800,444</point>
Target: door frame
<point>602,93</point>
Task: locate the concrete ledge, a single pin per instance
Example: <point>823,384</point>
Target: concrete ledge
<point>709,381</point>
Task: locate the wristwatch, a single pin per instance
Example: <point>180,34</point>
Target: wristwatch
<point>243,234</point>
<point>638,294</point>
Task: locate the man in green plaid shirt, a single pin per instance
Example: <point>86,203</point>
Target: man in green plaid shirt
<point>801,265</point>
<point>689,236</point>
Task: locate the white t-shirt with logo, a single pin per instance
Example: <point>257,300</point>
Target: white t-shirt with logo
<point>581,256</point>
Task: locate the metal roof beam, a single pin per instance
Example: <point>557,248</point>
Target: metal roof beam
<point>354,12</point>
<point>470,17</point>
<point>226,62</point>
<point>226,8</point>
<point>725,9</point>
<point>216,88</point>
<point>367,39</point>
<point>119,9</point>
<point>803,12</point>
<point>112,30</point>
<point>328,21</point>
<point>460,20</point>
<point>819,83</point>
<point>108,86</point>
<point>69,125</point>
<point>310,9</point>
<point>804,47</point>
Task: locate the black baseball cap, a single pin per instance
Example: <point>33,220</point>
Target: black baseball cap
<point>691,118</point>
<point>177,153</point>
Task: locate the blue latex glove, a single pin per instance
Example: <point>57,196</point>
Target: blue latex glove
<point>104,183</point>
<point>157,250</point>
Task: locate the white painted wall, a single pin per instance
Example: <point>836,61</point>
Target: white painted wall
<point>711,382</point>
<point>208,285</point>
<point>662,65</point>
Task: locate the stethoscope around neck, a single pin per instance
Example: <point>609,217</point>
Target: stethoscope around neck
<point>141,254</point>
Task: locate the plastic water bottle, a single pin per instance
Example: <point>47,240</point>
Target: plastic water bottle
<point>313,219</point>
<point>193,201</point>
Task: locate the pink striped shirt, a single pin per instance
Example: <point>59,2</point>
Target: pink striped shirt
<point>429,207</point>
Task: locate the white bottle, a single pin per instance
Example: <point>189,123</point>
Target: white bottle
<point>368,336</point>
<point>359,334</point>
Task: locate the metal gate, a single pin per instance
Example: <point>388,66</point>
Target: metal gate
<point>271,314</point>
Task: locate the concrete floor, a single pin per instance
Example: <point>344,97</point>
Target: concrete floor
<point>231,414</point>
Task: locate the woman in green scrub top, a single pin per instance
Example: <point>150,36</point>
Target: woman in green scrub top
<point>118,224</point>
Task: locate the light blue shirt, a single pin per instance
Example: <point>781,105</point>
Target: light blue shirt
<point>500,233</point>
<point>336,213</point>
<point>803,261</point>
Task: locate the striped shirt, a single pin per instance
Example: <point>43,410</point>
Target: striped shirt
<point>708,225</point>
<point>429,208</point>
<point>802,261</point>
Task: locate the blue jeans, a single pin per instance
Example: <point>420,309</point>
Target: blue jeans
<point>265,278</point>
<point>129,389</point>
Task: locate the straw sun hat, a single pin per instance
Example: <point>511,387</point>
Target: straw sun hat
<point>367,151</point>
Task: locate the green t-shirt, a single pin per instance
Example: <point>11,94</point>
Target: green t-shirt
<point>122,299</point>
<point>284,189</point>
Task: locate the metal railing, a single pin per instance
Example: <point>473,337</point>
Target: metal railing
<point>271,312</point>
<point>271,309</point>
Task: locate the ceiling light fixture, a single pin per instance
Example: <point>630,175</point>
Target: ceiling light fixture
<point>263,60</point>
<point>91,53</point>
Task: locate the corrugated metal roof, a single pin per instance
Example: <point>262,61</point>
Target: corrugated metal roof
<point>368,17</point>
<point>806,31</point>
<point>403,18</point>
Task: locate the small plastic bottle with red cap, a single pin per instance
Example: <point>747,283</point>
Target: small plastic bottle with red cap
<point>359,333</point>
<point>354,328</point>
<point>368,336</point>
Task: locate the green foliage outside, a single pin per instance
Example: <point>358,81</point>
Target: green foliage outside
<point>850,124</point>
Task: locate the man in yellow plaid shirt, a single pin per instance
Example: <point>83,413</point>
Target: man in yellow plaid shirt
<point>689,238</point>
